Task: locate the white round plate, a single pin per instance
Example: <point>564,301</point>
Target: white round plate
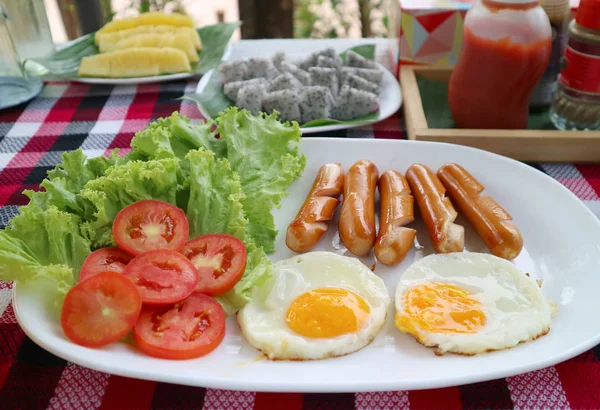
<point>562,247</point>
<point>390,101</point>
<point>137,80</point>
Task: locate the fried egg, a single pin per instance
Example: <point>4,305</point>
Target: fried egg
<point>469,303</point>
<point>318,305</point>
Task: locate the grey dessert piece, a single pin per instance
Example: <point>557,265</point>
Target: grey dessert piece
<point>261,67</point>
<point>231,89</point>
<point>353,103</point>
<point>285,102</point>
<point>285,81</point>
<point>369,74</point>
<point>315,103</point>
<point>325,76</point>
<point>354,59</point>
<point>250,97</point>
<point>360,83</point>
<point>301,75</point>
<point>234,70</point>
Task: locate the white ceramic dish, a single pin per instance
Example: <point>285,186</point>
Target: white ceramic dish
<point>137,80</point>
<point>562,247</point>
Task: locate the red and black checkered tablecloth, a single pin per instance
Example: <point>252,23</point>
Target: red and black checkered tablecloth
<point>98,118</point>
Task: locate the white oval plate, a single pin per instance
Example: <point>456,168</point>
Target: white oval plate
<point>562,247</point>
<point>137,80</point>
<point>390,102</point>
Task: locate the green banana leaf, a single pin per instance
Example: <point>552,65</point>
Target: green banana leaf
<point>64,63</point>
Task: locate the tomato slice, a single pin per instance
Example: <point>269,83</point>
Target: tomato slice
<point>188,329</point>
<point>162,276</point>
<point>149,224</point>
<point>220,260</point>
<point>100,310</point>
<point>104,260</point>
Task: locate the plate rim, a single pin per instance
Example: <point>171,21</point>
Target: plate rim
<point>347,387</point>
<point>324,128</point>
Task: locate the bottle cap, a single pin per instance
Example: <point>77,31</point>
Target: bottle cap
<point>588,14</point>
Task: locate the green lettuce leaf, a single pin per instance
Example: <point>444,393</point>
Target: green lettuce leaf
<point>19,263</point>
<point>265,153</point>
<point>259,269</point>
<point>52,235</point>
<point>215,197</point>
<point>262,151</point>
<point>43,243</point>
<point>215,206</point>
<point>123,185</point>
<point>65,181</point>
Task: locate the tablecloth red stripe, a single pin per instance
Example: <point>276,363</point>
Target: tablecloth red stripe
<point>100,118</point>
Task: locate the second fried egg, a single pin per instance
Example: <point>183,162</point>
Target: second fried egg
<point>469,303</point>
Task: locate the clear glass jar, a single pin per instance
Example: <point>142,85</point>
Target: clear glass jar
<point>16,86</point>
<point>506,49</point>
<point>29,27</point>
<point>576,102</point>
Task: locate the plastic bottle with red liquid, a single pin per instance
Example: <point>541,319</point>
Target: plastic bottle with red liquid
<point>506,49</point>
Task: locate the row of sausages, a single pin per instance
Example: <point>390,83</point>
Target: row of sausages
<point>397,196</point>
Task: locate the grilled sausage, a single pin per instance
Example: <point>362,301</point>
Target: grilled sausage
<point>394,240</point>
<point>311,222</point>
<point>488,218</point>
<point>357,218</point>
<point>436,209</point>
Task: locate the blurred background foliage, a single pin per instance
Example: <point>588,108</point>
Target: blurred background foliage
<point>309,18</point>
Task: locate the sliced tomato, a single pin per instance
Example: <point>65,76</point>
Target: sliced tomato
<point>220,260</point>
<point>162,276</point>
<point>148,225</point>
<point>104,260</point>
<point>188,329</point>
<point>100,310</point>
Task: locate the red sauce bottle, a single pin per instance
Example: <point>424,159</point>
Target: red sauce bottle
<point>506,49</point>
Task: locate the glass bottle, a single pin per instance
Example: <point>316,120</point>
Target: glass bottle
<point>576,102</point>
<point>506,49</point>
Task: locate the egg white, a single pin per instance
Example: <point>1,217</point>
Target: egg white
<point>515,308</point>
<point>263,324</point>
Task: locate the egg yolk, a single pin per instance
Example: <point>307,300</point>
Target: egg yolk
<point>327,312</point>
<point>440,308</point>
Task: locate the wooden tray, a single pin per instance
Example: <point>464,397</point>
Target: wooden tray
<point>524,145</point>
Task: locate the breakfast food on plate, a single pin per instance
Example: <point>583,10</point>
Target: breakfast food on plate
<point>153,18</point>
<point>311,222</point>
<point>488,218</point>
<point>191,328</point>
<point>357,217</point>
<point>322,86</point>
<point>183,221</point>
<point>109,41</point>
<point>394,239</point>
<point>179,40</point>
<point>318,305</point>
<point>470,303</point>
<point>150,44</point>
<point>135,62</point>
<point>436,209</point>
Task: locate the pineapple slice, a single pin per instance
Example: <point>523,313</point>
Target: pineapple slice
<point>135,62</point>
<point>107,41</point>
<point>152,18</point>
<point>180,41</point>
